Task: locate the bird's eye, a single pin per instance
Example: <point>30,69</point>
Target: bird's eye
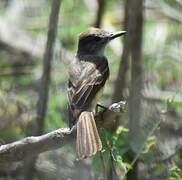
<point>97,38</point>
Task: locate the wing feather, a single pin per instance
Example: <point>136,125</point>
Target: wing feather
<point>81,85</point>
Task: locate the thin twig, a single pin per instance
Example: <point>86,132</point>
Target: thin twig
<point>113,167</point>
<point>103,166</point>
<point>101,155</point>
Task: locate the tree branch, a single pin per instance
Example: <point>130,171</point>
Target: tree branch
<point>48,56</point>
<point>120,82</point>
<point>34,145</point>
<point>100,13</point>
<point>25,44</point>
<point>164,9</point>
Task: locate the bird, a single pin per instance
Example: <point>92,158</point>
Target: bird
<point>88,73</point>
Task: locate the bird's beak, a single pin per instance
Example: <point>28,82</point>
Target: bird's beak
<point>114,35</point>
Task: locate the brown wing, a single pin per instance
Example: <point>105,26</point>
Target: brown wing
<point>83,87</point>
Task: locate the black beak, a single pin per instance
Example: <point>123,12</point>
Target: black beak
<point>114,35</point>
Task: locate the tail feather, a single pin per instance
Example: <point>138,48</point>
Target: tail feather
<point>79,149</point>
<point>97,138</point>
<point>88,140</point>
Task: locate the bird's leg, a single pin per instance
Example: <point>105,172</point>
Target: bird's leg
<point>99,105</point>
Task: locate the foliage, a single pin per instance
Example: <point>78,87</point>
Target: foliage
<point>175,173</point>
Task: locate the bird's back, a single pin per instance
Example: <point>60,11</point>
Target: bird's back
<point>87,75</point>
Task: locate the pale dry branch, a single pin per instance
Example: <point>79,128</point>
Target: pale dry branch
<point>34,145</point>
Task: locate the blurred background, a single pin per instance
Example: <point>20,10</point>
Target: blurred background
<point>145,71</point>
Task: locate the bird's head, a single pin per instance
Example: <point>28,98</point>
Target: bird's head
<point>94,40</point>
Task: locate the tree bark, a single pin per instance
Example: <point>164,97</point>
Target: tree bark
<point>32,146</point>
<point>48,56</point>
<point>120,82</point>
<point>135,30</point>
<point>100,13</point>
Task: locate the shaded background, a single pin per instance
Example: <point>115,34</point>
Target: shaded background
<point>146,71</point>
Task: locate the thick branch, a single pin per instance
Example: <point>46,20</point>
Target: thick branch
<point>31,146</point>
<point>34,145</point>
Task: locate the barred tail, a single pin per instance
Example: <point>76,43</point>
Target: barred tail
<point>88,140</point>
